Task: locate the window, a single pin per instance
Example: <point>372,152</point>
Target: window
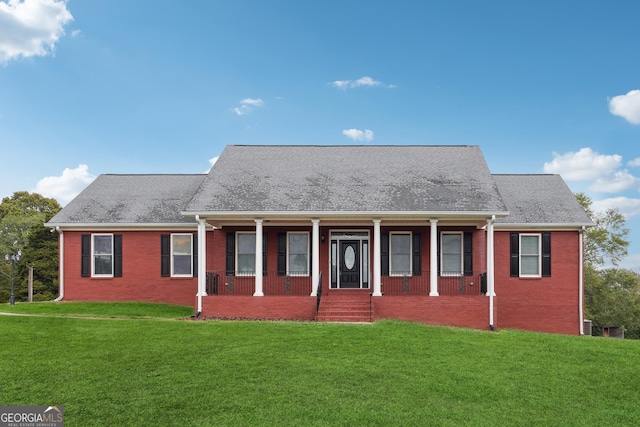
<point>451,253</point>
<point>530,255</point>
<point>400,254</point>
<point>102,255</point>
<point>181,255</point>
<point>246,253</point>
<point>298,254</point>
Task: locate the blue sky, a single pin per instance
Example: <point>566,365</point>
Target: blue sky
<point>138,86</point>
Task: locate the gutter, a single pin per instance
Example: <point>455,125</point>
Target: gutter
<point>201,261</point>
<point>61,261</point>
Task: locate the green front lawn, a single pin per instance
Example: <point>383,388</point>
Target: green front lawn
<point>143,372</point>
<point>100,309</point>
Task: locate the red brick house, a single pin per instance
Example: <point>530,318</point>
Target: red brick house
<point>334,233</point>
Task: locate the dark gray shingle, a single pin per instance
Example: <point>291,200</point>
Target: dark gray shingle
<point>131,199</point>
<point>539,199</point>
<point>348,179</point>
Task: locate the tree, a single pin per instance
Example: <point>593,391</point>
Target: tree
<point>607,240</point>
<point>613,298</point>
<point>611,295</point>
<point>18,214</point>
<point>22,219</point>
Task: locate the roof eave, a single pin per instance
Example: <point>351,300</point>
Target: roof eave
<point>122,226</point>
<point>333,214</point>
<point>543,226</point>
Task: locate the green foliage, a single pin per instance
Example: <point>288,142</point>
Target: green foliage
<point>22,219</point>
<point>612,297</point>
<point>209,373</point>
<point>607,240</point>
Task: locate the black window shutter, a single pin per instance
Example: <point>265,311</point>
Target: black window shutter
<point>384,254</point>
<point>282,254</point>
<point>467,245</point>
<point>230,263</point>
<point>195,255</point>
<point>165,256</point>
<point>85,270</point>
<point>417,270</point>
<point>546,254</point>
<point>117,255</point>
<point>264,254</point>
<point>515,255</point>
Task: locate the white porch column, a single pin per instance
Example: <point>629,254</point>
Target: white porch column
<point>315,256</point>
<point>60,265</point>
<point>258,292</point>
<point>202,261</point>
<point>377,292</point>
<point>490,269</point>
<point>433,258</point>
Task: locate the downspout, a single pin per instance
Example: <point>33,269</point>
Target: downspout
<point>581,282</point>
<point>490,271</point>
<point>201,259</point>
<point>61,266</point>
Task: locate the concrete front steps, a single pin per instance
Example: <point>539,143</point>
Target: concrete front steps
<point>345,308</point>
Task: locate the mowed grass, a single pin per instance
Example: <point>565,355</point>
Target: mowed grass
<point>101,309</point>
<point>146,372</point>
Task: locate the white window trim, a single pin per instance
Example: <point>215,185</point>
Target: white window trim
<point>404,273</point>
<point>298,274</point>
<point>244,273</point>
<point>539,255</point>
<point>190,274</point>
<point>461,267</point>
<point>93,255</point>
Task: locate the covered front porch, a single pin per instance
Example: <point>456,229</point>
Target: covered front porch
<point>462,300</point>
<point>378,268</point>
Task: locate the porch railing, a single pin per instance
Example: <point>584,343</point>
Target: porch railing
<point>221,283</point>
<point>449,283</point>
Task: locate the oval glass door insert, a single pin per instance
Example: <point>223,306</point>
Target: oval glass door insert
<point>349,257</point>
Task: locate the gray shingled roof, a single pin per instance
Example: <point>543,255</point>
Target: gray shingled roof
<point>539,199</point>
<point>131,199</point>
<point>348,179</point>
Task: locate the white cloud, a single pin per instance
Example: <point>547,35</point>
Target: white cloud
<point>585,164</point>
<point>247,104</point>
<point>626,106</point>
<point>67,186</point>
<point>362,81</point>
<point>341,84</point>
<point>358,135</point>
<point>616,182</point>
<point>31,27</point>
<point>212,161</point>
<point>634,163</point>
<point>255,102</point>
<point>366,81</point>
<point>627,206</point>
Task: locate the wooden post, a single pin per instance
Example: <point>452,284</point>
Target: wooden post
<point>30,289</point>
